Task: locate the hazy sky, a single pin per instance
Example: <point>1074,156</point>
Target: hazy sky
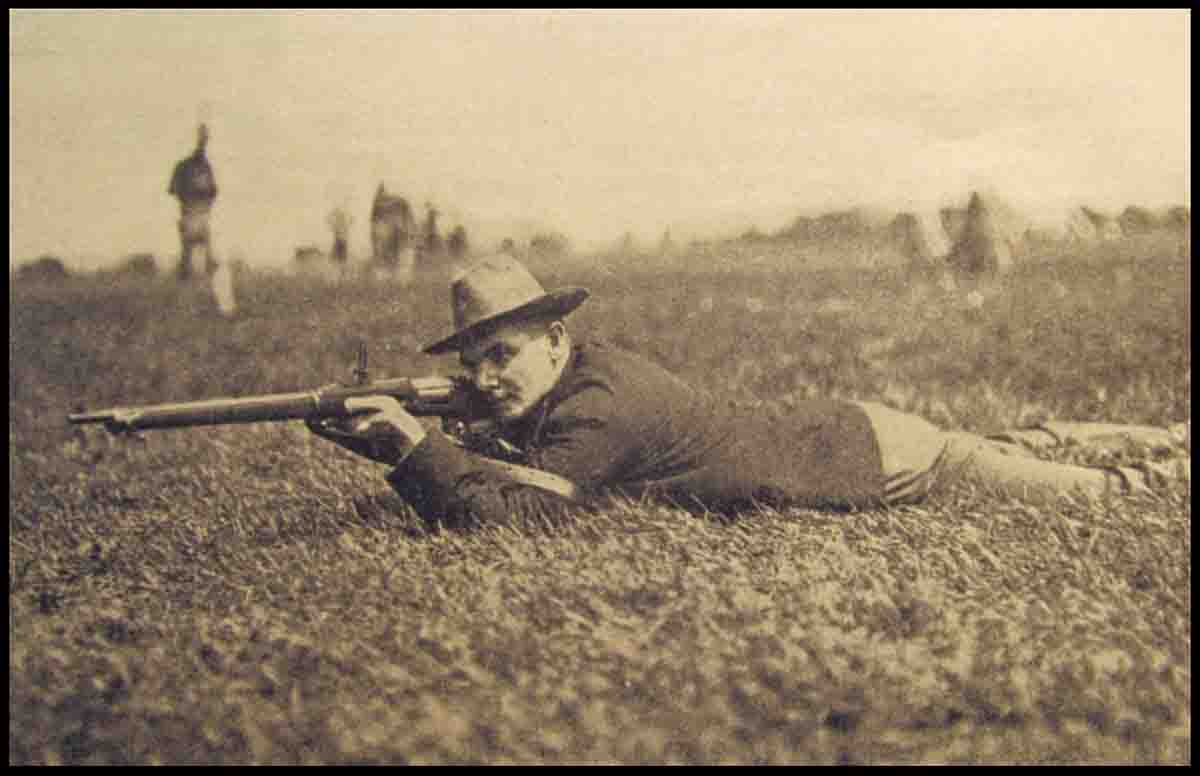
<point>592,123</point>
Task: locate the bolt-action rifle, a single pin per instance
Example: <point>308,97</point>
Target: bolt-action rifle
<point>454,399</point>
<point>446,397</point>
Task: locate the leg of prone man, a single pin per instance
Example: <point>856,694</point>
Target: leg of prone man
<point>917,456</point>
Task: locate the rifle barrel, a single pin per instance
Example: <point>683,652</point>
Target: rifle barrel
<point>421,396</point>
<point>81,418</point>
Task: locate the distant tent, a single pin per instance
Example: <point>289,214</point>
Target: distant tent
<point>853,224</point>
<point>140,265</point>
<point>934,233</point>
<point>1071,228</point>
<point>953,220</point>
<point>1178,218</point>
<point>43,269</point>
<point>919,237</point>
<point>857,222</point>
<point>1106,226</point>
<point>308,255</point>
<point>799,230</point>
<point>1136,220</point>
<point>1079,228</point>
<point>985,246</point>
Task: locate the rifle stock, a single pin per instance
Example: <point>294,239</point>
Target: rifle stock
<point>447,397</point>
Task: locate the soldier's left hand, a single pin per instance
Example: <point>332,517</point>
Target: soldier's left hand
<point>386,432</point>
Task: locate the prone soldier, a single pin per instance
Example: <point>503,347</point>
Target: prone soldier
<point>609,422</point>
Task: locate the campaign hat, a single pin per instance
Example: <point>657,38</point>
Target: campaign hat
<point>497,290</point>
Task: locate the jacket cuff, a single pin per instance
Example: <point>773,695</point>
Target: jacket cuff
<point>432,455</point>
<point>426,476</point>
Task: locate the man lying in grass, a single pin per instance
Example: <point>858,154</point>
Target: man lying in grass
<point>601,421</point>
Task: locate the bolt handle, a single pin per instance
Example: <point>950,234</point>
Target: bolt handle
<point>362,375</point>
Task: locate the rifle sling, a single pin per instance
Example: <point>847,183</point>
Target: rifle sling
<point>537,478</point>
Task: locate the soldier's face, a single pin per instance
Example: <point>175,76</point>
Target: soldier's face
<point>517,365</point>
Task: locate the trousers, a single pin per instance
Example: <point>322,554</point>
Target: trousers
<point>194,235</point>
<point>918,456</point>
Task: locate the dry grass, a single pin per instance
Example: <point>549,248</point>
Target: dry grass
<point>254,595</point>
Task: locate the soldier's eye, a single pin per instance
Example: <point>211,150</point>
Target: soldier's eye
<point>501,355</point>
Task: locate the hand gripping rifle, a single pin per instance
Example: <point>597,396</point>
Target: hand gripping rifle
<point>454,399</point>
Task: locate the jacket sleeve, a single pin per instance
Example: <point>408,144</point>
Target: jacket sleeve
<point>581,441</point>
<point>443,481</point>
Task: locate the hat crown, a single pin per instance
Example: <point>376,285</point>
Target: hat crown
<point>492,286</point>
<point>497,290</point>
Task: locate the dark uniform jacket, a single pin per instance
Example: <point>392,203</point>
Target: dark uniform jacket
<point>193,179</point>
<point>617,424</point>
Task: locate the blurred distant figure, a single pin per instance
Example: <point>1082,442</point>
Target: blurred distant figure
<point>339,222</point>
<point>627,245</point>
<point>457,245</point>
<point>392,227</point>
<point>432,245</point>
<point>666,246</point>
<point>195,186</point>
<point>393,234</point>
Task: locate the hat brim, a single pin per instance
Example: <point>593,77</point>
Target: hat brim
<point>556,303</point>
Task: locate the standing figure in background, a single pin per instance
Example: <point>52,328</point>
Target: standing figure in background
<point>393,231</point>
<point>339,222</point>
<point>195,186</point>
<point>432,245</point>
<point>457,245</point>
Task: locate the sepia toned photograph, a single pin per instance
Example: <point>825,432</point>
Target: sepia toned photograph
<point>599,387</point>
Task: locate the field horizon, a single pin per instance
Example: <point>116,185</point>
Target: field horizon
<point>254,595</point>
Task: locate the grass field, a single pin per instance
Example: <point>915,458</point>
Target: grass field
<point>253,595</point>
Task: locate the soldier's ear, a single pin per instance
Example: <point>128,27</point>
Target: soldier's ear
<point>559,342</point>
